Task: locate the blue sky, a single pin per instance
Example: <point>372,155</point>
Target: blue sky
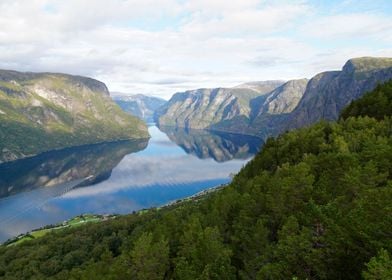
<point>161,47</point>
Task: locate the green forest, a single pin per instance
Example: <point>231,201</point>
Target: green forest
<point>315,203</point>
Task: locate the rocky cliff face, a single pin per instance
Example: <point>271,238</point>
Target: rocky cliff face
<point>140,105</point>
<point>269,108</point>
<point>199,109</point>
<point>44,111</point>
<point>329,92</point>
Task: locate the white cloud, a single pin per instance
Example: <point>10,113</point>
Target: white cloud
<point>350,26</point>
<point>160,47</point>
<point>245,22</point>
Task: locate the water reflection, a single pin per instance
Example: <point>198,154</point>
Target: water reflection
<point>92,162</point>
<point>210,144</point>
<point>125,177</point>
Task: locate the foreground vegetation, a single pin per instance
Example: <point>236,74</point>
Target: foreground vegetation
<point>315,203</point>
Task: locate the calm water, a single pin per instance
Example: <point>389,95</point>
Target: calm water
<point>117,177</point>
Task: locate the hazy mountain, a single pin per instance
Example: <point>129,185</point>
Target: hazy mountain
<point>139,105</point>
<point>265,108</point>
<point>45,111</point>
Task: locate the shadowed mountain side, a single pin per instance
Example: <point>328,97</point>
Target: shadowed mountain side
<point>94,162</point>
<point>329,92</point>
<point>211,144</point>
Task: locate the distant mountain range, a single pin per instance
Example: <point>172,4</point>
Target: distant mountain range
<point>45,111</point>
<point>139,105</point>
<point>271,107</point>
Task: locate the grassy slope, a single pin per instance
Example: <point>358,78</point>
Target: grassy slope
<point>31,124</point>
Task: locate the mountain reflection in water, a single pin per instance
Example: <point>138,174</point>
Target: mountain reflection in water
<point>116,177</point>
<point>210,144</point>
<point>61,166</point>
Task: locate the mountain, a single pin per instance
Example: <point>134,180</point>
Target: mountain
<point>139,105</point>
<point>266,110</point>
<point>269,108</point>
<point>45,111</point>
<point>201,108</point>
<point>329,92</point>
<point>53,168</point>
<point>212,144</point>
<point>315,203</point>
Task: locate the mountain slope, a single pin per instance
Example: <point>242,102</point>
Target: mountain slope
<point>329,92</point>
<point>139,105</point>
<point>202,108</point>
<point>313,204</point>
<point>276,106</point>
<point>44,111</point>
<point>266,110</point>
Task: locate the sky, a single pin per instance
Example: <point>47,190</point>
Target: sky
<point>165,46</point>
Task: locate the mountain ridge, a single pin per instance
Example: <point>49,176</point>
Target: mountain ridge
<point>288,105</point>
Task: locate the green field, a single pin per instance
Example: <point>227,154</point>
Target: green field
<point>74,222</point>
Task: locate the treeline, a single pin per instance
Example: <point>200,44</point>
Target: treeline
<point>315,203</point>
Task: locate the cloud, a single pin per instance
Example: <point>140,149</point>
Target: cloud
<point>350,26</point>
<point>161,47</point>
<point>245,21</point>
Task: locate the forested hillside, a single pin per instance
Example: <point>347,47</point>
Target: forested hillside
<point>315,203</point>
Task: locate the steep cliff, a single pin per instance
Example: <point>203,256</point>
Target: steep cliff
<point>45,111</point>
<point>266,111</point>
<point>329,92</point>
<point>271,107</point>
<point>201,108</point>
